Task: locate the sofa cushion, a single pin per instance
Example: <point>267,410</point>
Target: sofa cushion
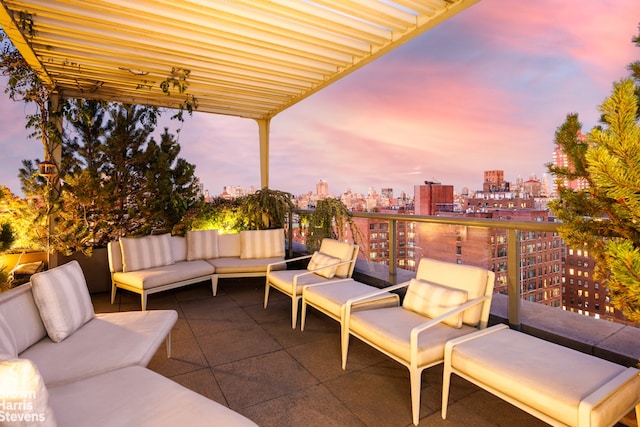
<point>136,396</point>
<point>7,339</point>
<point>232,265</point>
<point>22,316</point>
<point>63,300</point>
<point>229,245</point>
<point>23,395</point>
<point>202,244</point>
<point>139,253</point>
<point>166,274</point>
<point>432,300</point>
<point>326,265</point>
<point>340,250</point>
<point>390,328</point>
<point>179,248</point>
<point>109,341</point>
<point>262,243</point>
<point>471,279</point>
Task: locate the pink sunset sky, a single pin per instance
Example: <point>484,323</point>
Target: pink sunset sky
<point>485,90</point>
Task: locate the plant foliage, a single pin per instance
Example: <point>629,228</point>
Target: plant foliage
<point>330,219</point>
<point>264,209</point>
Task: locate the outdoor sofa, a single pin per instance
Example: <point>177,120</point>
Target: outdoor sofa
<point>62,364</point>
<point>150,264</point>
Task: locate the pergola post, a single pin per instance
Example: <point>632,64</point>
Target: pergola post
<point>53,153</point>
<point>263,129</point>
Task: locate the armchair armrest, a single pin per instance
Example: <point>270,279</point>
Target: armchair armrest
<point>286,261</point>
<point>415,332</point>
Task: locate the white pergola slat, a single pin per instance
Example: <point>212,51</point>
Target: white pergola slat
<point>245,58</point>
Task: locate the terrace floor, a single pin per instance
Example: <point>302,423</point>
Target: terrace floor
<point>231,350</point>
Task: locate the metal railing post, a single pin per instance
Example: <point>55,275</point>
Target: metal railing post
<point>393,263</point>
<point>513,277</point>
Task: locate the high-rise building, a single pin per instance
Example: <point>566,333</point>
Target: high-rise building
<point>322,189</point>
<point>494,181</point>
<point>561,160</point>
<point>432,198</point>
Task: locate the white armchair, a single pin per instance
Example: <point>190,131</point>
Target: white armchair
<point>444,301</point>
<point>335,259</point>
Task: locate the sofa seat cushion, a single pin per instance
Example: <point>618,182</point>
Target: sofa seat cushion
<point>229,265</point>
<point>283,279</point>
<point>391,327</point>
<point>108,342</point>
<point>561,379</point>
<point>164,275</point>
<point>136,396</point>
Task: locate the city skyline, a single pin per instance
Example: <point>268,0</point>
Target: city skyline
<point>484,90</point>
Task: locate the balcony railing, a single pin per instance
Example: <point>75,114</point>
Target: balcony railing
<point>513,229</point>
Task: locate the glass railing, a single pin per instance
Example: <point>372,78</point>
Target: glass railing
<point>525,255</point>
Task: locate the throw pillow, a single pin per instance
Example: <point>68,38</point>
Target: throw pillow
<point>320,260</point>
<point>340,250</point>
<point>433,300</point>
<point>140,253</point>
<point>202,244</point>
<point>63,300</point>
<point>24,396</point>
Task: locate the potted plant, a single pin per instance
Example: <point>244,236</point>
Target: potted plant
<point>265,209</point>
<point>330,219</point>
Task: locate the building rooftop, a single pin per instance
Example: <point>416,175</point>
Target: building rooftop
<point>231,350</point>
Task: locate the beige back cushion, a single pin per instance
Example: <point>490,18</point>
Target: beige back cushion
<point>179,248</point>
<point>341,250</point>
<point>63,300</point>
<point>262,243</point>
<point>432,300</point>
<point>140,253</point>
<point>22,317</point>
<point>202,244</point>
<point>229,245</point>
<point>466,277</point>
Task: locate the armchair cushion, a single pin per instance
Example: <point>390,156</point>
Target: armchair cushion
<point>202,244</point>
<point>63,300</point>
<point>469,278</point>
<point>433,300</point>
<point>341,250</point>
<point>262,243</point>
<point>326,263</point>
<point>22,388</point>
<point>139,253</point>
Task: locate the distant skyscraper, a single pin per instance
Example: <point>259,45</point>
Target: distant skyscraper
<point>493,181</point>
<point>433,197</point>
<point>561,160</point>
<point>322,189</point>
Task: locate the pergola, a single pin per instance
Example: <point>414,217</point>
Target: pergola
<point>244,58</point>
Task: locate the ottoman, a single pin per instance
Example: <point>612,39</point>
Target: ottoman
<point>556,384</point>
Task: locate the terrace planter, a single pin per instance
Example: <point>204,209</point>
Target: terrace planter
<point>95,268</point>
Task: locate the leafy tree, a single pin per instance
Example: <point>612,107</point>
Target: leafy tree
<point>604,218</point>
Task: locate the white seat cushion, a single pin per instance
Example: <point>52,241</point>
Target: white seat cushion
<point>163,275</point>
<point>283,280</point>
<point>63,300</point>
<point>331,297</point>
<point>108,342</point>
<point>136,396</point>
<point>238,265</point>
<point>390,328</point>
